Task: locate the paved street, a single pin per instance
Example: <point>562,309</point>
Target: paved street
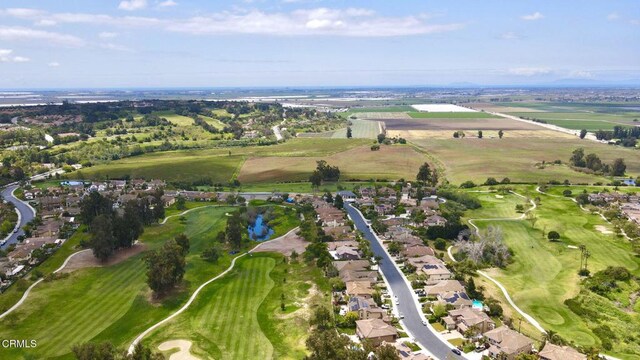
<point>26,213</point>
<point>412,321</point>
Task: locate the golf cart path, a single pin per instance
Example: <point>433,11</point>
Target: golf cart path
<point>526,316</point>
<point>26,293</point>
<point>196,292</point>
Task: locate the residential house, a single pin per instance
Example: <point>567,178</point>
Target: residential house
<point>557,352</point>
<point>435,220</point>
<point>507,344</point>
<point>356,265</point>
<point>22,252</point>
<point>435,273</point>
<point>413,251</point>
<point>455,299</point>
<point>405,352</point>
<point>347,253</point>
<point>442,287</point>
<point>366,308</point>
<point>347,195</point>
<point>376,331</point>
<point>362,289</point>
<point>466,319</point>
<point>351,275</point>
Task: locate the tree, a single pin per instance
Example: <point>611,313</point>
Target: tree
<point>491,181</point>
<point>315,179</point>
<point>93,205</point>
<point>181,202</point>
<point>593,162</point>
<point>349,134</point>
<point>500,134</point>
<point>567,193</point>
<point>211,254</point>
<point>618,167</point>
<point>424,173</point>
<point>183,241</point>
<point>553,235</point>
<point>381,138</point>
<point>165,267</point>
<point>386,352</point>
<point>234,230</point>
<point>328,344</point>
<point>583,133</point>
<point>128,227</point>
<point>479,134</point>
<point>339,203</point>
<point>577,158</point>
<point>102,239</point>
<point>472,291</point>
<point>321,318</point>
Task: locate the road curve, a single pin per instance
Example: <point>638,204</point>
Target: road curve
<point>409,306</point>
<point>195,294</point>
<point>25,214</point>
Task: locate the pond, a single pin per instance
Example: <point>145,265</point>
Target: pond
<point>259,231</point>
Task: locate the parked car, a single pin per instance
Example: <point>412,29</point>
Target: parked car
<point>456,351</point>
<point>401,316</point>
<point>424,322</point>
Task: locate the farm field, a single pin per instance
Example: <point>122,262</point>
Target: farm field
<point>247,301</point>
<point>487,134</point>
<point>451,115</point>
<point>520,159</point>
<point>544,273</point>
<point>219,164</point>
<point>360,129</point>
<point>455,124</point>
<point>112,303</point>
<point>175,118</point>
<point>582,120</point>
<point>391,163</point>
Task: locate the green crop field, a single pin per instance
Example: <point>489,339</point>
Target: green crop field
<point>175,118</point>
<point>219,164</point>
<point>544,273</point>
<point>112,303</point>
<point>520,159</point>
<point>360,129</point>
<point>451,115</point>
<point>247,301</point>
<point>582,120</point>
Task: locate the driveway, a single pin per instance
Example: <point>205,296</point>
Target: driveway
<point>424,335</point>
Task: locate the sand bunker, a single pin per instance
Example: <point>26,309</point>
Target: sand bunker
<point>182,345</point>
<point>284,245</point>
<point>603,229</point>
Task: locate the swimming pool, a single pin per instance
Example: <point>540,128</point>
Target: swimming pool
<point>477,304</point>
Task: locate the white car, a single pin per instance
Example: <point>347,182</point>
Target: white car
<point>401,316</point>
<point>397,302</point>
<point>424,322</point>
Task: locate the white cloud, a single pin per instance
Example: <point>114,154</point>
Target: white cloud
<point>21,34</point>
<point>613,16</point>
<point>116,47</point>
<point>319,21</point>
<point>167,3</point>
<point>131,5</point>
<point>530,17</point>
<point>107,35</point>
<point>6,55</point>
<point>53,64</point>
<point>509,36</point>
<point>635,22</point>
<point>529,71</point>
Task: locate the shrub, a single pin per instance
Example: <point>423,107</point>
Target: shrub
<point>440,244</point>
<point>567,193</point>
<point>491,181</point>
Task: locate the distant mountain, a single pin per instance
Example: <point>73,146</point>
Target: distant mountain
<point>593,82</point>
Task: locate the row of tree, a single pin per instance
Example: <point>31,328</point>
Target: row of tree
<point>324,172</point>
<point>592,161</point>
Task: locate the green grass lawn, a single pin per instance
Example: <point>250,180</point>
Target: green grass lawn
<point>451,115</point>
<point>175,118</point>
<point>112,303</point>
<point>544,273</point>
<point>247,301</point>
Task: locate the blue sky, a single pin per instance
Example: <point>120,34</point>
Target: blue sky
<point>196,43</point>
